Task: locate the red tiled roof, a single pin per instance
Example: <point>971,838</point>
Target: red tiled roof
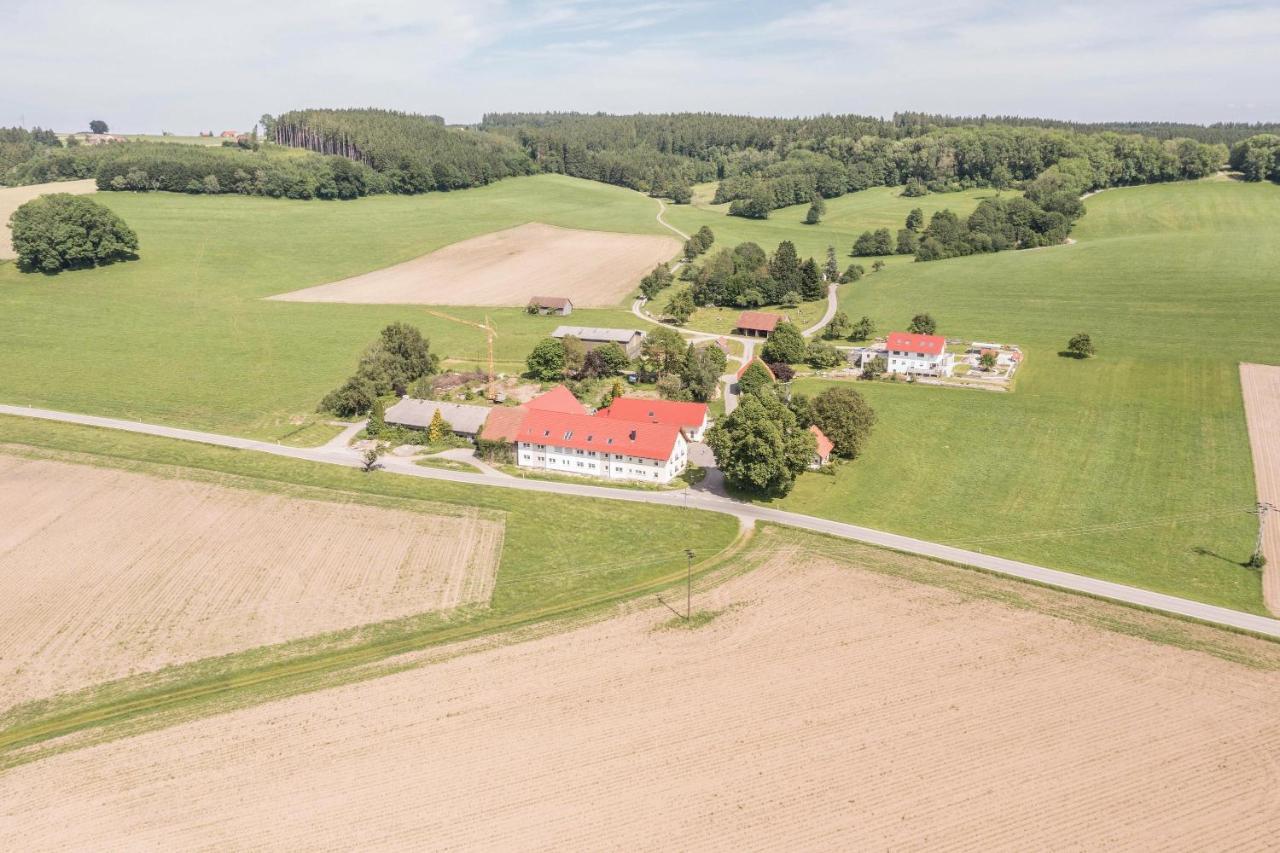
<point>759,321</point>
<point>558,399</point>
<point>743,369</point>
<point>824,444</point>
<point>503,423</point>
<point>927,344</point>
<point>689,415</point>
<point>608,435</point>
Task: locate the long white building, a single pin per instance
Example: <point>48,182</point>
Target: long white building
<point>608,448</point>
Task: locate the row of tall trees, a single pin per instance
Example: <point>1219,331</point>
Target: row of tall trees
<point>145,166</point>
<point>996,225</point>
<point>415,153</point>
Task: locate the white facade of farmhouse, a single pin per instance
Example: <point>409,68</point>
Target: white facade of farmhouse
<point>918,354</point>
<point>604,463</point>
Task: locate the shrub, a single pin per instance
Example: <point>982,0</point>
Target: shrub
<point>61,231</point>
<point>1080,345</point>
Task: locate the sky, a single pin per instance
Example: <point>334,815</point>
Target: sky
<point>146,66</point>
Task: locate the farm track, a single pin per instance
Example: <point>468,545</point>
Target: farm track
<point>1260,384</point>
<point>16,741</point>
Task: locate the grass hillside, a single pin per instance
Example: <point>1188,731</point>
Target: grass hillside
<point>846,218</point>
<point>1176,283</point>
<point>183,336</point>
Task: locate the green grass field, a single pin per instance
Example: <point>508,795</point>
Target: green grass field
<point>846,218</point>
<point>1177,285</point>
<point>183,336</point>
<point>548,570</point>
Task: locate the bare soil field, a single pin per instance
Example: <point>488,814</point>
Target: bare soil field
<point>11,198</point>
<point>826,706</point>
<point>595,269</point>
<point>107,573</point>
<point>1260,384</point>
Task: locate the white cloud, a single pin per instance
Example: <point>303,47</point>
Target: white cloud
<point>144,65</point>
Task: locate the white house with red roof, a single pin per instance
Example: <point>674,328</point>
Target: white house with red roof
<point>611,448</point>
<point>918,354</point>
<point>691,418</point>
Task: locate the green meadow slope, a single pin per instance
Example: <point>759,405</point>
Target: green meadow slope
<point>1177,284</point>
<point>183,336</point>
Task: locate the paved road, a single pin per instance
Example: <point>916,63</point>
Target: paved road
<point>700,499</point>
<point>832,304</point>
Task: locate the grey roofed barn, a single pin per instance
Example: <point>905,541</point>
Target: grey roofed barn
<point>463,420</point>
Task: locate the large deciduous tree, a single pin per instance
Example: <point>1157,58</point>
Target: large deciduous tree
<point>761,447</point>
<point>785,344</point>
<point>844,417</point>
<point>61,231</point>
<point>546,361</point>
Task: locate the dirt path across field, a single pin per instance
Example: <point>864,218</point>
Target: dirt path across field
<point>826,707</point>
<point>1260,384</point>
<point>11,198</point>
<point>105,573</point>
<point>595,269</point>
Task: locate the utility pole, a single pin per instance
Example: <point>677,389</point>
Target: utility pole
<point>1263,508</point>
<point>688,584</point>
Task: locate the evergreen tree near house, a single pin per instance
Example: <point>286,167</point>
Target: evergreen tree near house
<point>439,429</point>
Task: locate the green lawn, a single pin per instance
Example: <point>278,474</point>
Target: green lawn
<point>846,218</point>
<point>548,569</point>
<point>721,321</point>
<point>1177,284</point>
<point>183,336</point>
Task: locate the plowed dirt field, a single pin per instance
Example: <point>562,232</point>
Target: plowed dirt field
<point>106,573</point>
<point>826,707</point>
<point>595,269</point>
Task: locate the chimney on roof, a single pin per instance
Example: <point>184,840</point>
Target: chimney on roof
<point>633,435</point>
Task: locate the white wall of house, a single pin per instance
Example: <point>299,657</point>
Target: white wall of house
<point>905,361</point>
<point>603,464</point>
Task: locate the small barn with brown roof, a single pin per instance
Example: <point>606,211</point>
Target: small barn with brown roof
<point>559,305</point>
<point>758,324</point>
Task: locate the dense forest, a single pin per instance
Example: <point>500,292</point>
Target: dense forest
<point>766,163</point>
<point>415,153</point>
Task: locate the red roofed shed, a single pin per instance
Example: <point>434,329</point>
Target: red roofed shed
<point>758,324</point>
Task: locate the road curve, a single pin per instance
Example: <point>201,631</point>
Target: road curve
<point>832,303</point>
<point>695,499</point>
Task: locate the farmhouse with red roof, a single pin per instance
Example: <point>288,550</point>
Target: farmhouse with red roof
<point>757,324</point>
<point>690,418</point>
<point>925,355</point>
<point>610,448</point>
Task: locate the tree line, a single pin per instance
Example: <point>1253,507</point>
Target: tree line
<point>1257,158</point>
<point>18,145</point>
<point>414,153</point>
<point>146,166</point>
<point>766,163</point>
